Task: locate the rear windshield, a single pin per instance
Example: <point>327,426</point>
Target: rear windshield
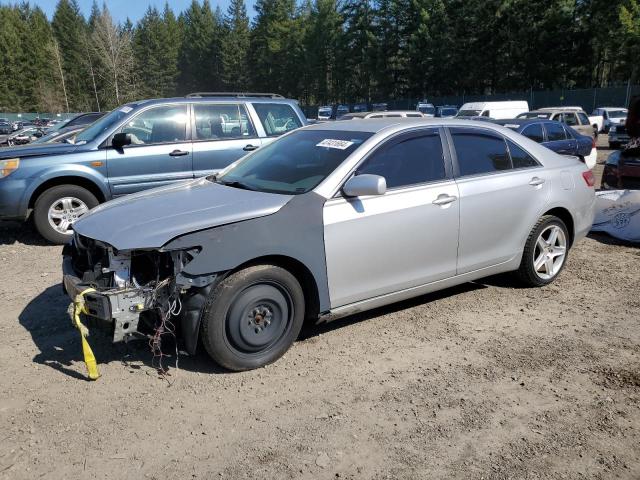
<point>617,113</point>
<point>294,164</point>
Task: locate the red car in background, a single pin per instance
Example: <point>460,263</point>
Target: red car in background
<point>622,170</point>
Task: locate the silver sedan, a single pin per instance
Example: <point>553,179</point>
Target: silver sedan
<point>326,221</point>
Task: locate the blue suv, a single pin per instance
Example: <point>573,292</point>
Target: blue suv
<point>137,146</point>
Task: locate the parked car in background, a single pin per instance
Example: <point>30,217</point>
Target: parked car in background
<point>272,241</point>
<point>426,108</point>
<point>497,110</point>
<point>623,174</point>
<point>360,107</point>
<point>557,137</point>
<point>446,111</point>
<point>138,146</point>
<point>618,136</point>
<point>611,116</point>
<point>20,124</point>
<point>324,113</point>
<point>83,119</point>
<point>575,119</point>
<point>5,128</point>
<point>59,136</point>
<point>21,137</point>
<point>387,114</point>
<point>379,107</point>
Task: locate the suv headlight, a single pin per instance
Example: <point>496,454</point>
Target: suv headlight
<point>8,166</point>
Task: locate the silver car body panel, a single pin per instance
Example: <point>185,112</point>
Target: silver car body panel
<point>379,244</point>
<point>149,219</point>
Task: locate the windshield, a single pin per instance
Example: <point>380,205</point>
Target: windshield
<point>103,124</point>
<point>294,164</point>
<point>617,113</point>
<point>469,113</point>
<point>448,112</point>
<point>534,115</point>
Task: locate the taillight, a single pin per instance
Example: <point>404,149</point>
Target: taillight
<point>589,178</point>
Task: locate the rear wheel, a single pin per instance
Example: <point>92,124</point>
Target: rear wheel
<point>252,317</point>
<point>58,208</point>
<point>545,252</point>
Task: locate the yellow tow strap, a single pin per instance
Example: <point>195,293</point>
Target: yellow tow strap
<point>75,309</point>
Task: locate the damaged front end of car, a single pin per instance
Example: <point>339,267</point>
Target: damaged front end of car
<point>137,293</point>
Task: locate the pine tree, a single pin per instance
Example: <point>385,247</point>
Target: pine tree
<point>235,47</point>
<point>68,27</point>
<point>357,52</point>
<point>272,28</point>
<point>322,44</point>
<point>200,63</point>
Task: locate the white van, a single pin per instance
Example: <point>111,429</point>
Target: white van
<point>497,110</point>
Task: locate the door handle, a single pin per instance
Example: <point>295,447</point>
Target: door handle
<point>444,199</point>
<point>250,148</point>
<point>178,153</point>
<point>535,181</point>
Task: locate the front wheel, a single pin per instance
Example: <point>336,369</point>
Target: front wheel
<point>252,317</point>
<point>545,252</point>
<point>58,208</point>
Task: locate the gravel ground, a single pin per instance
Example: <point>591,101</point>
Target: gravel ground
<point>482,381</point>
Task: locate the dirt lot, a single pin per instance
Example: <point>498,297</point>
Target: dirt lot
<point>481,381</point>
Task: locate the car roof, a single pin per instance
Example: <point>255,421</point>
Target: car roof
<point>375,125</point>
<point>210,99</point>
<point>522,121</point>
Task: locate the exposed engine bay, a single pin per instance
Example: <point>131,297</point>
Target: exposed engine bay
<point>134,294</point>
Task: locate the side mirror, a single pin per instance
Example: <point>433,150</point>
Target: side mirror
<point>363,185</point>
<point>120,140</point>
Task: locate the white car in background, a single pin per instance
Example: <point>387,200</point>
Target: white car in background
<point>610,116</point>
<point>495,110</point>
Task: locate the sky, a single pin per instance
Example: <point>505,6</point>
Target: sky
<point>134,9</point>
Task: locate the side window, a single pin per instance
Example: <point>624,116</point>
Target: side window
<point>221,122</point>
<point>408,162</point>
<point>479,152</point>
<point>555,132</point>
<point>166,124</point>
<point>584,120</point>
<point>277,118</point>
<point>570,119</point>
<point>534,132</point>
<point>486,113</point>
<point>519,157</point>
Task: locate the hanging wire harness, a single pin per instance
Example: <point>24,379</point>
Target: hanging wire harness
<point>132,295</point>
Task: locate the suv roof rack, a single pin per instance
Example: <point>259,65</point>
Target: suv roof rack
<point>233,94</point>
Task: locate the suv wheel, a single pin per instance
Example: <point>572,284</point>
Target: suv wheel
<point>252,317</point>
<point>57,208</point>
<point>545,252</point>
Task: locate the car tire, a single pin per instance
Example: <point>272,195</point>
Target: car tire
<point>545,252</point>
<point>252,317</point>
<point>50,213</point>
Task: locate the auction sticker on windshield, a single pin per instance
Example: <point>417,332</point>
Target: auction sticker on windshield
<point>333,143</point>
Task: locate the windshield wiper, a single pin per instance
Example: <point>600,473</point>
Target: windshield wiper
<point>236,184</point>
